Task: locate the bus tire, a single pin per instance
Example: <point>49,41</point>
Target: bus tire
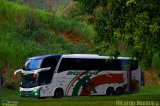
<point>58,93</point>
<point>42,97</point>
<point>110,91</point>
<point>119,91</point>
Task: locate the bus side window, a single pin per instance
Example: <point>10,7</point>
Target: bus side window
<point>125,65</point>
<point>45,77</point>
<point>67,64</point>
<point>76,64</point>
<point>88,64</point>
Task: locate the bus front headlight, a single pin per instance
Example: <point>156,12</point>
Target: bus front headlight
<point>36,94</point>
<point>35,90</point>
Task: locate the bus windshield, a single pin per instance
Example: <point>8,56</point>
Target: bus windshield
<point>43,77</point>
<point>28,81</point>
<point>33,64</point>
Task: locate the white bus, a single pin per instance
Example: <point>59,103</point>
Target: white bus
<point>78,75</point>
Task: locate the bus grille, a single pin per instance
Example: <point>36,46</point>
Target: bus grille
<point>26,92</point>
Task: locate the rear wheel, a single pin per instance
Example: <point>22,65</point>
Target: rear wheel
<point>110,91</point>
<point>119,91</point>
<point>58,93</point>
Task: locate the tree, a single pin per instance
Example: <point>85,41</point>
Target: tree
<point>132,26</point>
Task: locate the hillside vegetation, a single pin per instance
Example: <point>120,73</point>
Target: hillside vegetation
<point>124,27</point>
<point>25,32</point>
<point>43,4</point>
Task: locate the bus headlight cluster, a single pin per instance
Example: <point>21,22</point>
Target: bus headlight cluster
<point>36,94</point>
<point>35,90</point>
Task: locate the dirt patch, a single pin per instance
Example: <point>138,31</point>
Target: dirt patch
<point>151,78</point>
<point>158,82</point>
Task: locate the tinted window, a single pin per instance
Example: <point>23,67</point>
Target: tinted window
<point>89,64</point>
<point>45,77</point>
<point>97,64</point>
<point>28,81</point>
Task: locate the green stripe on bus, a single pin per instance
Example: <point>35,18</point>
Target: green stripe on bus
<point>76,88</point>
<point>69,85</point>
<point>78,85</point>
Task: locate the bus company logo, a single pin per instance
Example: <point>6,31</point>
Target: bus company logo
<point>9,103</point>
<point>81,72</point>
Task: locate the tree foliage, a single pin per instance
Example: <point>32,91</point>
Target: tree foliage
<point>131,26</point>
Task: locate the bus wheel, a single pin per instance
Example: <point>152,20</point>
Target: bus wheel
<point>119,91</point>
<point>110,91</point>
<point>42,97</point>
<point>58,93</point>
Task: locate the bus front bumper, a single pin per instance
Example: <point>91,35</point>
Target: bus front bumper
<point>34,93</point>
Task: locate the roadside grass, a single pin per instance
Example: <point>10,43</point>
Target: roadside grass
<point>145,94</point>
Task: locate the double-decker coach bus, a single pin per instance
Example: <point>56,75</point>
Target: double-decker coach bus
<point>79,75</point>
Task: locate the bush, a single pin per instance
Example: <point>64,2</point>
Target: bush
<point>156,61</point>
<point>10,85</point>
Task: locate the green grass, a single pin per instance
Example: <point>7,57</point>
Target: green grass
<point>145,94</point>
<point>26,32</point>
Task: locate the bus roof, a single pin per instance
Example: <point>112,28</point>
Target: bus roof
<point>44,56</point>
<point>90,56</point>
<point>94,56</point>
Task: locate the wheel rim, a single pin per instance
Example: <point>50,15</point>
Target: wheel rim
<point>109,92</point>
<point>119,91</point>
<point>58,93</point>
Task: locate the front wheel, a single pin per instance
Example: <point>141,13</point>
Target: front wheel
<point>58,93</point>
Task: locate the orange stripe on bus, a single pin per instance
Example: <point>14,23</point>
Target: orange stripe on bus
<point>103,79</point>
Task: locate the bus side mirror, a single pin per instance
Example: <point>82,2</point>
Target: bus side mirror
<point>14,75</point>
<point>40,70</point>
